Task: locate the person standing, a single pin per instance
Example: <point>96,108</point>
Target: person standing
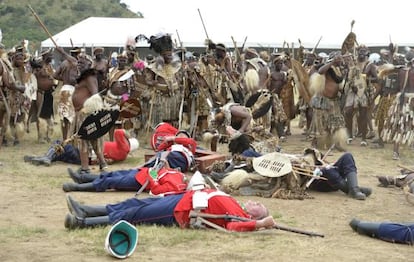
<point>327,120</point>
<point>7,85</point>
<point>399,128</point>
<point>85,88</point>
<point>20,102</point>
<point>67,72</point>
<point>42,108</point>
<point>388,88</point>
<point>359,90</point>
<point>100,64</point>
<point>162,77</point>
<point>278,79</point>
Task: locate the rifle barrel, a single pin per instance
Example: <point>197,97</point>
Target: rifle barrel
<point>298,231</point>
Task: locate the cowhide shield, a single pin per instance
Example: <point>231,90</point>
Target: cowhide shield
<point>272,165</point>
<point>260,103</point>
<point>97,124</point>
<point>130,108</point>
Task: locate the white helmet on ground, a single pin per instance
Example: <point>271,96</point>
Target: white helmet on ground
<point>196,182</point>
<point>121,240</point>
<point>134,144</point>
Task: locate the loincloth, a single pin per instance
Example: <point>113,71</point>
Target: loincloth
<point>384,105</point>
<point>327,115</point>
<point>66,109</point>
<point>86,145</point>
<point>399,127</point>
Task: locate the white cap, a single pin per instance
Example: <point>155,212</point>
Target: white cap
<point>134,144</point>
<point>196,182</point>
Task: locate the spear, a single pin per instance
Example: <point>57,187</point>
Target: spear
<point>42,25</point>
<point>202,21</point>
<point>316,46</point>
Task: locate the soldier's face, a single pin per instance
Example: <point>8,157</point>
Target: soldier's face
<point>18,59</point>
<point>168,56</point>
<point>83,64</point>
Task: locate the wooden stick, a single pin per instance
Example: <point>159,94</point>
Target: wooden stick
<point>42,25</point>
<point>151,110</point>
<point>302,169</point>
<point>313,176</point>
<point>303,165</point>
<point>202,21</point>
<point>407,168</point>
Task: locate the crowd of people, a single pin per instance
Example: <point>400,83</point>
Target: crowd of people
<point>182,96</point>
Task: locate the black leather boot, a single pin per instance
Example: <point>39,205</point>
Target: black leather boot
<point>47,159</point>
<point>73,222</point>
<point>366,191</point>
<point>83,211</point>
<point>81,178</point>
<point>28,158</point>
<point>88,187</point>
<point>365,228</point>
<point>353,190</point>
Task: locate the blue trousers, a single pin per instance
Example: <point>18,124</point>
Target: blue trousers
<point>70,155</point>
<point>155,210</point>
<point>121,180</point>
<point>336,175</point>
<point>398,233</point>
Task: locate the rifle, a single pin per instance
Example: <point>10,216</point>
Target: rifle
<point>195,214</point>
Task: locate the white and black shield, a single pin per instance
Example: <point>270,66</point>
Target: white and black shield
<point>97,124</point>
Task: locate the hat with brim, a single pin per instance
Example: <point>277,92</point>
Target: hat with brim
<point>98,50</point>
<point>75,50</point>
<point>46,52</point>
<point>121,240</point>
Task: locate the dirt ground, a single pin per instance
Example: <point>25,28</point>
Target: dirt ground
<point>33,207</point>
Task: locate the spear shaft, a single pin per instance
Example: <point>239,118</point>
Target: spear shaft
<point>42,25</point>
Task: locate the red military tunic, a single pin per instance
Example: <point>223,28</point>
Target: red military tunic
<point>168,181</point>
<point>218,204</point>
<point>118,149</point>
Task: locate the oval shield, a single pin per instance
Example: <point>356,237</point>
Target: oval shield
<point>272,165</point>
<point>97,124</point>
<point>130,108</point>
<point>260,103</point>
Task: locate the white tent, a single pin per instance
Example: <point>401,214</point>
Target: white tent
<point>102,31</point>
<point>113,32</point>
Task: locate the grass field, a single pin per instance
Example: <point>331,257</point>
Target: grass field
<point>32,211</point>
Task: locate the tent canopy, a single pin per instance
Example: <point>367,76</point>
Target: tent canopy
<point>114,32</point>
<point>102,31</point>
